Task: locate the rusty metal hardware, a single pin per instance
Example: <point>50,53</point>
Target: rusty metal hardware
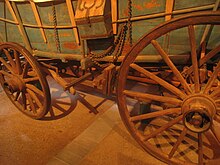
<point>56,35</point>
<point>198,111</point>
<point>119,41</point>
<point>129,22</point>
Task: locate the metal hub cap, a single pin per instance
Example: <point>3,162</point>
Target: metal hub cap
<point>198,111</point>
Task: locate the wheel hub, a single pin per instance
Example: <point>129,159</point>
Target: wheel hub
<point>198,112</point>
<point>14,84</point>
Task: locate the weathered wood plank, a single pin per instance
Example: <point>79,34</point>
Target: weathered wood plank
<point>38,20</point>
<point>72,19</point>
<point>114,4</point>
<point>15,14</point>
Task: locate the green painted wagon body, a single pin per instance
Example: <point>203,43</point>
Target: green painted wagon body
<point>55,29</point>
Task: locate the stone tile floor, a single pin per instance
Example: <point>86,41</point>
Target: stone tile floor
<point>69,134</point>
<point>105,141</point>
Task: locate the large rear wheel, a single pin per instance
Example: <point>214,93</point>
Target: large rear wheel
<point>174,112</point>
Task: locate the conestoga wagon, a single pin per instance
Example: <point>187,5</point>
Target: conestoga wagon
<point>168,50</point>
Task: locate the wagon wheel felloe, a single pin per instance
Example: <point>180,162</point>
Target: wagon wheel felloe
<point>182,123</point>
<point>23,81</point>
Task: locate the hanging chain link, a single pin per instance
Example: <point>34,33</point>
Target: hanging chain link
<point>129,22</point>
<point>56,36</point>
<point>121,43</point>
<point>118,43</point>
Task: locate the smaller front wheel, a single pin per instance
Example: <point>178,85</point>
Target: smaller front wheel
<point>23,81</point>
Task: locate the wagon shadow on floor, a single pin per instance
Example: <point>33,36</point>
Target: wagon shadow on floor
<point>63,103</point>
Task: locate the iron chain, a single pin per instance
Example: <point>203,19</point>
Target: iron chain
<point>129,22</point>
<point>56,36</point>
<point>118,43</point>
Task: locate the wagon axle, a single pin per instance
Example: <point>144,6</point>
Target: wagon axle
<point>198,112</point>
<point>197,121</point>
<point>14,84</point>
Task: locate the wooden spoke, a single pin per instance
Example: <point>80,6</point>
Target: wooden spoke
<point>35,89</point>
<point>146,97</point>
<point>31,95</point>
<point>200,149</point>
<point>178,142</point>
<point>31,73</point>
<point>215,93</point>
<point>217,118</point>
<point>31,103</point>
<point>160,81</point>
<point>142,79</point>
<point>165,131</point>
<point>218,105</point>
<point>215,130</point>
<point>211,54</point>
<point>212,79</point>
<point>5,73</point>
<point>27,80</point>
<point>18,62</point>
<point>203,50</point>
<point>25,70</point>
<point>163,128</point>
<point>194,57</point>
<point>172,66</point>
<point>34,97</point>
<point>24,101</point>
<point>206,58</point>
<point>156,114</point>
<point>11,61</point>
<point>6,65</point>
<point>17,95</point>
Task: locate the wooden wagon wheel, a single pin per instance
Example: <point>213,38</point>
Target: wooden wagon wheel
<point>23,81</point>
<point>182,124</point>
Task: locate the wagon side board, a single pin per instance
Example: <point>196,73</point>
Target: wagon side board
<point>44,26</point>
